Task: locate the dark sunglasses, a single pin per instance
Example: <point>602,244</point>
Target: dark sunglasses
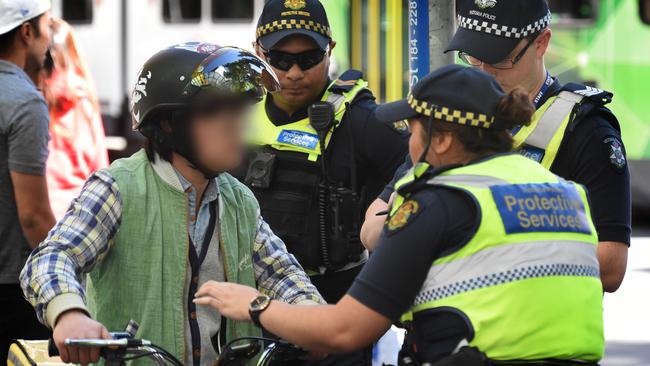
<point>285,61</point>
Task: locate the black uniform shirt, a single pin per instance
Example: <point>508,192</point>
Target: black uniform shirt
<point>379,148</point>
<point>399,265</point>
<point>588,155</point>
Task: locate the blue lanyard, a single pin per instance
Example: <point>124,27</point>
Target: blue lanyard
<point>538,98</point>
<point>542,91</point>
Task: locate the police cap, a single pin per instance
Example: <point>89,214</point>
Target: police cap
<point>490,29</point>
<point>283,18</point>
<point>454,94</point>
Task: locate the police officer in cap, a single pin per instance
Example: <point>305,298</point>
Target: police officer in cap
<point>319,155</point>
<point>463,261</point>
<point>573,134</point>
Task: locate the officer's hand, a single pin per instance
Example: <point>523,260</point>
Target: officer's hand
<point>231,299</point>
<point>75,324</point>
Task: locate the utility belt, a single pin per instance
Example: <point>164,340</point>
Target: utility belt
<point>471,356</point>
<point>318,221</point>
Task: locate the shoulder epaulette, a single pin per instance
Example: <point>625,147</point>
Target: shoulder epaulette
<point>597,99</point>
<point>346,81</point>
<point>595,95</point>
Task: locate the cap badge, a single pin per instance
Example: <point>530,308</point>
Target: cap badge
<point>484,4</point>
<point>294,4</point>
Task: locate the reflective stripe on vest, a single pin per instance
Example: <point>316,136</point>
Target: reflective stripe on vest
<point>299,136</point>
<point>540,141</point>
<point>503,264</point>
<point>530,291</point>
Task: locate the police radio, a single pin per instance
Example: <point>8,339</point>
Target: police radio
<point>321,119</point>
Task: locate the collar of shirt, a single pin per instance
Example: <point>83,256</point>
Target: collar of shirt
<point>197,222</point>
<point>211,192</point>
<point>280,117</point>
<point>11,68</point>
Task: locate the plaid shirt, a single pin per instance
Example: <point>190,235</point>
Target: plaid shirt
<point>85,235</point>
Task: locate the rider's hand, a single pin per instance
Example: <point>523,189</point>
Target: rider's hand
<point>76,324</point>
<point>231,299</point>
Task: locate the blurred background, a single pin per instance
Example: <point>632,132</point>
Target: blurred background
<point>601,43</point>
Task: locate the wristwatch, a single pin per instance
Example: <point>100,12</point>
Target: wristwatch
<point>257,306</point>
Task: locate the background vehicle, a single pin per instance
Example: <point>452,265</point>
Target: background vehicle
<point>602,43</point>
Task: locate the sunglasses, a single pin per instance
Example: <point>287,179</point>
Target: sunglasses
<point>285,61</point>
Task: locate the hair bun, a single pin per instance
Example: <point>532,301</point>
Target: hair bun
<point>515,108</point>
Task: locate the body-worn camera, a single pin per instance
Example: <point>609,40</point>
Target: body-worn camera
<point>260,170</point>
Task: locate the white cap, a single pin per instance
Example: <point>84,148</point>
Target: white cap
<point>16,12</point>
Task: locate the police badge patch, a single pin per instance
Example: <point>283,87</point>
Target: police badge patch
<point>401,126</point>
<point>294,4</point>
<point>404,214</point>
<point>484,4</point>
<point>615,152</point>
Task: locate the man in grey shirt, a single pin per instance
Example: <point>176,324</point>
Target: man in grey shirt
<point>25,213</point>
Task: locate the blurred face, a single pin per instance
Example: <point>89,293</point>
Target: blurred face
<point>299,87</point>
<point>525,73</point>
<point>37,41</point>
<point>219,136</point>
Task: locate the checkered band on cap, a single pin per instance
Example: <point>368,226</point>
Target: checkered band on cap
<point>450,115</point>
<point>278,25</point>
<point>502,30</point>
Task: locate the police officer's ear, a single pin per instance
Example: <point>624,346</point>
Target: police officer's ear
<point>443,142</point>
<point>542,42</point>
<point>332,45</point>
<point>258,51</point>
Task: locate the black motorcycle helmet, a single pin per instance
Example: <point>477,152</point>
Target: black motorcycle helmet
<point>190,77</point>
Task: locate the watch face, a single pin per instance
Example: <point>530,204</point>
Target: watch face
<point>260,302</point>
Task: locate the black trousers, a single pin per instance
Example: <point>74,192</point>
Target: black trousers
<point>17,319</point>
<point>333,286</point>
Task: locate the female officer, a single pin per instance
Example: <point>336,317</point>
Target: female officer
<point>489,250</point>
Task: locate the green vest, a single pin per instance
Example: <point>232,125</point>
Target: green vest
<point>541,140</point>
<point>143,275</point>
<point>299,136</point>
<point>528,280</point>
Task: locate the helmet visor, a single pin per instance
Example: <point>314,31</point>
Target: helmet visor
<point>233,73</point>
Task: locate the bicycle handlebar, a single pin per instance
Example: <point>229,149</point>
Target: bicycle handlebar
<point>121,348</point>
<point>51,348</point>
<point>119,340</point>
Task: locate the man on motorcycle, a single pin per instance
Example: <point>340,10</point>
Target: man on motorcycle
<point>151,229</point>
